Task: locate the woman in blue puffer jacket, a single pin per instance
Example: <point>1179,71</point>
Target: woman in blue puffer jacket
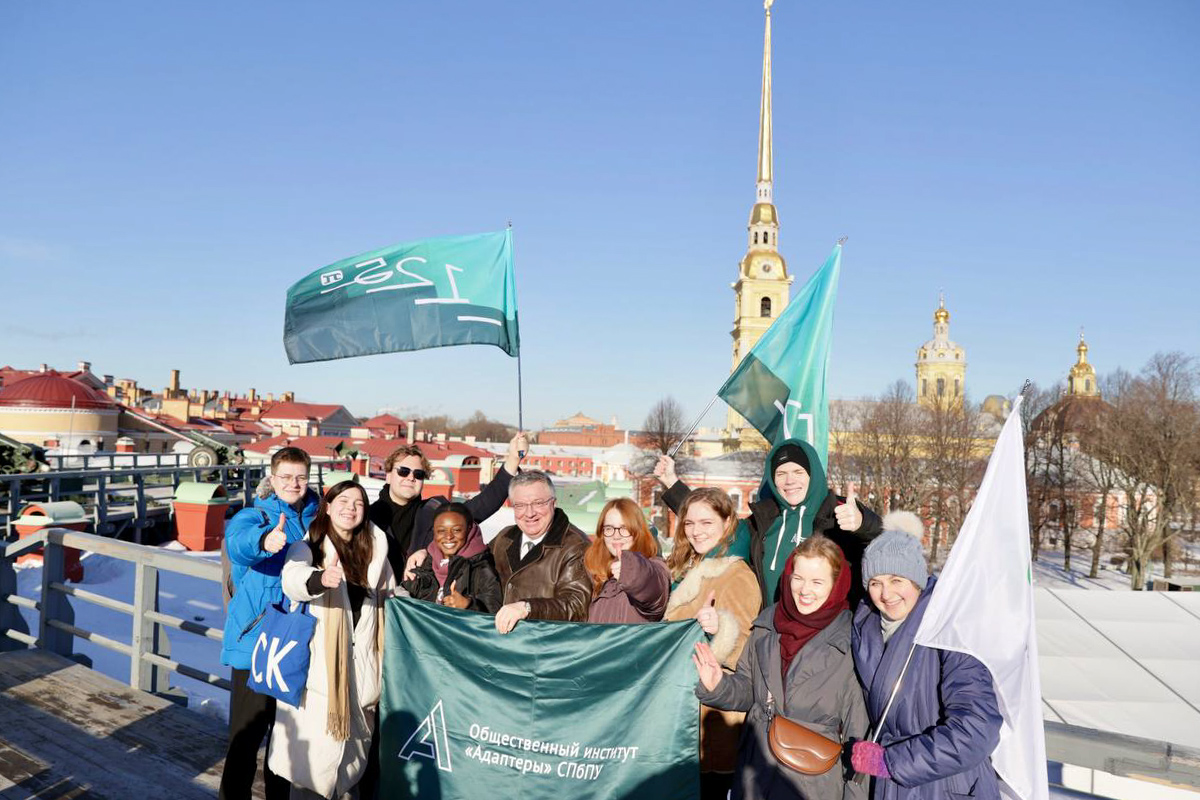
<point>938,736</point>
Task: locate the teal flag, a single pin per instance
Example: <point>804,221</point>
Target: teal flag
<point>432,293</point>
<point>552,710</point>
<point>779,386</point>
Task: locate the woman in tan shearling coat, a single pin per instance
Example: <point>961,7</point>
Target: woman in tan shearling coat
<point>341,569</point>
<point>715,586</point>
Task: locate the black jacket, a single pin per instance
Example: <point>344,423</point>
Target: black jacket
<point>764,512</point>
<point>474,578</point>
<point>404,540</point>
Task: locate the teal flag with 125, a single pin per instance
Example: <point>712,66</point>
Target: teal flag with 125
<point>779,386</point>
<point>431,293</point>
<point>551,710</point>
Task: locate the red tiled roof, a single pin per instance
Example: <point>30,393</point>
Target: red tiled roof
<point>243,426</point>
<point>375,448</point>
<point>382,420</point>
<point>10,375</point>
<point>52,390</point>
<point>317,411</point>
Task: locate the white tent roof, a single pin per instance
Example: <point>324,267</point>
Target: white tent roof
<point>1126,662</point>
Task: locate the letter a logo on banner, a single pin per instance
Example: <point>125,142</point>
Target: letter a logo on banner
<point>429,740</point>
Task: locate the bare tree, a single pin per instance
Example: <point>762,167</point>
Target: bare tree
<point>1100,478</point>
<point>894,474</point>
<point>1055,434</point>
<point>956,458</point>
<point>1156,418</point>
<point>664,425</point>
<point>1037,465</point>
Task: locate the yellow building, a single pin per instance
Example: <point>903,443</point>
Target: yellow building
<point>1082,380</point>
<point>941,364</point>
<point>762,289</point>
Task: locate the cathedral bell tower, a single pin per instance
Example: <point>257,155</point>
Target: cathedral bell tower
<point>1082,380</point>
<point>762,288</point>
<point>941,364</point>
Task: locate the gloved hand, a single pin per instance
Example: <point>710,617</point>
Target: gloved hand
<point>867,758</point>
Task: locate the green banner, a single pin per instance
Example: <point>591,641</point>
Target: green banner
<point>432,293</point>
<point>779,386</point>
<point>552,710</point>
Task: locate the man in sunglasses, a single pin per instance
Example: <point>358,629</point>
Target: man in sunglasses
<point>407,519</point>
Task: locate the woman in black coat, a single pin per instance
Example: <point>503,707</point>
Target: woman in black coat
<point>459,571</point>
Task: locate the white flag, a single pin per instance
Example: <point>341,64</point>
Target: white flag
<point>983,606</point>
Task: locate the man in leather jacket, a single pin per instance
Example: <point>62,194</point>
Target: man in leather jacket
<point>540,559</point>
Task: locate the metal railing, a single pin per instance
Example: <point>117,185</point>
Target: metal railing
<point>95,461</point>
<point>132,498</point>
<point>1125,756</point>
<point>56,631</point>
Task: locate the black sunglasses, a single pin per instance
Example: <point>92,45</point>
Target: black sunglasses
<point>419,474</point>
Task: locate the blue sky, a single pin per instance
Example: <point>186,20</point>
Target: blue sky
<point>167,170</point>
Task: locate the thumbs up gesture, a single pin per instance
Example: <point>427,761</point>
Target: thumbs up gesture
<point>707,615</point>
<point>454,598</point>
<point>849,517</point>
<point>277,539</point>
<point>333,575</point>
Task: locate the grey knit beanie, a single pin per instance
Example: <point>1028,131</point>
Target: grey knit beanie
<point>898,550</point>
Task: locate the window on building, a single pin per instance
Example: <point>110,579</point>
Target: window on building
<point>941,387</point>
<point>956,387</point>
<point>756,237</point>
<point>1088,385</point>
<point>764,307</point>
<point>924,387</point>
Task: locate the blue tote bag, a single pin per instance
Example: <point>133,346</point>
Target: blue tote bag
<point>279,662</point>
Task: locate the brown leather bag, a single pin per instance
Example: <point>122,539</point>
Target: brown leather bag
<point>801,748</point>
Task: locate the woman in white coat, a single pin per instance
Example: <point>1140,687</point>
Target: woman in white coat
<point>341,569</point>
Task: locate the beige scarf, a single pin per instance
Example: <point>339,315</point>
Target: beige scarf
<point>337,659</point>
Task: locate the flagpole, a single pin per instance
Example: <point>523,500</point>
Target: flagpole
<point>520,393</point>
<point>690,430</point>
<point>861,777</point>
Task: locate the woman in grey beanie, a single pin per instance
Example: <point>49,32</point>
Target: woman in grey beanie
<point>939,733</point>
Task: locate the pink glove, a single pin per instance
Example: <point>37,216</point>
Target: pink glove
<point>867,758</point>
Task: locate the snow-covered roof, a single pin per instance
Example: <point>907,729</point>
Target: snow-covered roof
<point>1121,661</point>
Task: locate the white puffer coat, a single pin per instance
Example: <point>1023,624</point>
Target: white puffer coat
<point>301,750</point>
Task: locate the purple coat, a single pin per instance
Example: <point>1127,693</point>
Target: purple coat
<point>945,723</point>
<point>640,596</point>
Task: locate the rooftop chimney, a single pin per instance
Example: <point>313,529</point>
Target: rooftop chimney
<point>85,366</point>
<point>253,395</point>
<point>174,385</point>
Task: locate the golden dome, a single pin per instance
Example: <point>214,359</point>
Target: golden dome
<point>941,315</point>
<point>763,214</point>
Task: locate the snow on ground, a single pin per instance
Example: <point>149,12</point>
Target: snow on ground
<point>182,596</point>
<point>1048,572</point>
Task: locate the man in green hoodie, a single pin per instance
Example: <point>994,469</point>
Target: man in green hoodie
<point>794,502</point>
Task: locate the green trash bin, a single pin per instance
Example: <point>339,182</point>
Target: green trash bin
<point>60,514</point>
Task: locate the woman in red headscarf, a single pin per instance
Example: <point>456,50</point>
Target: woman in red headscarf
<point>797,663</point>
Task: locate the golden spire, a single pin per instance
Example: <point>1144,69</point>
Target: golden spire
<point>941,315</point>
<point>1081,380</point>
<point>765,158</point>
